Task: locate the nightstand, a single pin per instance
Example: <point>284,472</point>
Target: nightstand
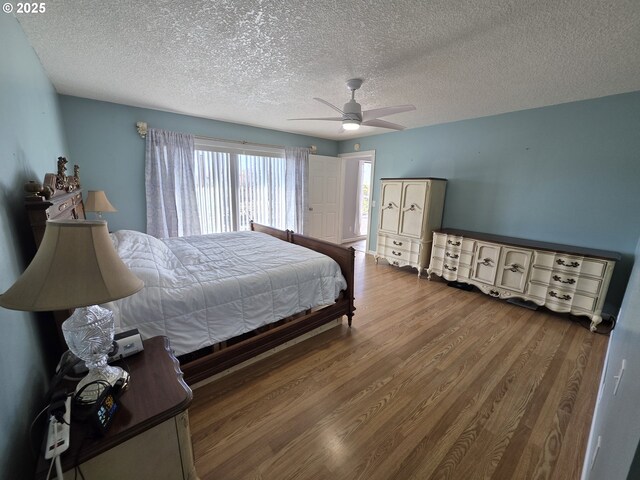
<point>149,436</point>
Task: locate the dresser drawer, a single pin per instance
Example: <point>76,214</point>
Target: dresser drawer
<point>449,270</point>
<point>439,240</point>
<point>568,263</point>
<point>561,298</point>
<point>398,243</point>
<point>566,280</point>
<point>453,242</point>
<point>399,254</point>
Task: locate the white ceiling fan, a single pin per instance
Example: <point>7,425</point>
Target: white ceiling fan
<point>353,116</point>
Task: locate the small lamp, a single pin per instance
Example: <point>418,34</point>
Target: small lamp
<point>98,202</point>
<point>77,267</point>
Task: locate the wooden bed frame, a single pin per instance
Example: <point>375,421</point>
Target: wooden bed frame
<point>67,205</point>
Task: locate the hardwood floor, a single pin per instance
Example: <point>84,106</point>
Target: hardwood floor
<point>431,382</point>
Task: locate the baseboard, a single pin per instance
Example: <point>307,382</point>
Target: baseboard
<point>355,239</point>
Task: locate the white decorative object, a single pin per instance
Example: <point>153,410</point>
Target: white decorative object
<point>142,128</point>
<point>562,278</point>
<point>410,209</point>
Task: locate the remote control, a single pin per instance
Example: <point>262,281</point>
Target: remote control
<point>58,436</point>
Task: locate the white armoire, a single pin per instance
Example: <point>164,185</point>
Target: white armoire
<point>410,209</point>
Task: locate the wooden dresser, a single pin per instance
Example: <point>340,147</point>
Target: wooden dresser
<point>410,209</point>
<point>560,277</point>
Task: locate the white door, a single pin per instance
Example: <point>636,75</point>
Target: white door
<point>324,197</point>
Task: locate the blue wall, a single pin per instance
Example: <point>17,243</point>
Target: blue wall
<point>31,138</point>
<point>104,142</point>
<point>567,173</point>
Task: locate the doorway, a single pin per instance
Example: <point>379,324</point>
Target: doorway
<point>358,171</point>
<point>362,200</point>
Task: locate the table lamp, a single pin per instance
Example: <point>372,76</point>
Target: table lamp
<point>98,202</point>
<point>77,267</point>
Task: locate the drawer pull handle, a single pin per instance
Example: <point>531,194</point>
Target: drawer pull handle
<point>570,264</point>
<point>62,206</point>
<point>389,206</point>
<point>397,243</point>
<point>453,269</point>
<point>487,262</point>
<point>558,278</point>
<point>454,256</point>
<point>412,207</point>
<point>561,297</point>
<point>395,263</point>
<point>399,254</point>
<point>455,244</point>
<point>494,293</point>
<point>515,267</point>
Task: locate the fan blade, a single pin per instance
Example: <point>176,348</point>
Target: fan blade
<point>335,119</point>
<point>383,124</point>
<point>383,112</point>
<point>328,104</point>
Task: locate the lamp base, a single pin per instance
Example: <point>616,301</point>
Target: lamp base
<point>91,387</point>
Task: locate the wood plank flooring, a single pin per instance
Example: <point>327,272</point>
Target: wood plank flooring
<point>431,382</point>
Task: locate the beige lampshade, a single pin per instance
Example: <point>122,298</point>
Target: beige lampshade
<point>97,201</point>
<point>75,266</point>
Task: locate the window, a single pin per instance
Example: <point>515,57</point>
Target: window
<point>236,184</point>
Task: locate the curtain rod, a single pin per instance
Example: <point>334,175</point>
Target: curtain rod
<point>241,142</point>
<point>142,129</point>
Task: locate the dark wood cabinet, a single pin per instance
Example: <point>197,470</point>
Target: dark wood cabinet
<point>58,207</point>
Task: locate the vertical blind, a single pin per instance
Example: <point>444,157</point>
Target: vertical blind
<point>261,191</point>
<point>234,186</point>
<point>212,172</point>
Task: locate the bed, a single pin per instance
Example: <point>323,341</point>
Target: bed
<point>205,345</point>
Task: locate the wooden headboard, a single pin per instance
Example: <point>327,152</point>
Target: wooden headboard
<point>59,197</point>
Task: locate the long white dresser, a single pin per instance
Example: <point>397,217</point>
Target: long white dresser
<point>410,209</point>
<point>560,277</point>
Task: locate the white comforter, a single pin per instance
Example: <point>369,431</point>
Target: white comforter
<point>205,289</point>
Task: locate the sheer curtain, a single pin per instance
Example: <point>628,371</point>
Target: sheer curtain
<point>172,209</point>
<point>296,187</point>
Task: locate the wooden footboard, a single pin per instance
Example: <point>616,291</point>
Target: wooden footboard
<point>343,257</point>
<point>215,362</point>
<point>274,232</point>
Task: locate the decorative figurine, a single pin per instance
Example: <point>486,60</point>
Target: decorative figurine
<point>61,177</point>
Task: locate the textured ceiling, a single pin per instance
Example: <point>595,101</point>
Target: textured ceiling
<point>259,62</point>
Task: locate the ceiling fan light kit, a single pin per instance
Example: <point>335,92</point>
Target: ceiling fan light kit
<point>353,116</point>
<point>350,124</point>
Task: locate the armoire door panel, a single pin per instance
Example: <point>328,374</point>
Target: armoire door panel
<point>390,207</point>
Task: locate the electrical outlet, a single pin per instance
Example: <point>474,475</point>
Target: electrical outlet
<point>58,433</point>
<point>595,452</point>
<point>618,377</point>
